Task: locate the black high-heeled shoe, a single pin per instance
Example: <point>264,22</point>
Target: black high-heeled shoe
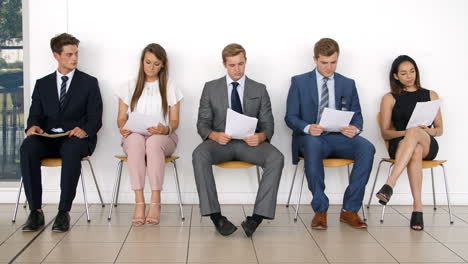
<point>384,194</point>
<point>417,220</point>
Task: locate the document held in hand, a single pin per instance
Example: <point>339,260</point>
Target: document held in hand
<point>139,123</point>
<point>424,113</point>
<point>332,120</point>
<point>51,135</point>
<point>239,126</point>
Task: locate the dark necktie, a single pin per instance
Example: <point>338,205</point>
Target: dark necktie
<point>235,99</point>
<point>324,97</point>
<point>63,90</point>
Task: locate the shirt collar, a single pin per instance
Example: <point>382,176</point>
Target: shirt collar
<point>241,81</point>
<point>69,75</point>
<point>320,76</point>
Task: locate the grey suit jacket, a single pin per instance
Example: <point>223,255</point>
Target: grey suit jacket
<point>214,104</point>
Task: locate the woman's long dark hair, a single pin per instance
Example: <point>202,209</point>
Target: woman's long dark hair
<point>160,53</point>
<point>396,86</point>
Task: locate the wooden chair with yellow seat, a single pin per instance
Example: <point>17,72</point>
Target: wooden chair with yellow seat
<point>236,164</point>
<point>115,193</point>
<point>327,163</point>
<point>426,164</point>
<point>57,162</point>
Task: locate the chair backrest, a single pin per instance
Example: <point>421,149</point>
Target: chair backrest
<point>378,121</point>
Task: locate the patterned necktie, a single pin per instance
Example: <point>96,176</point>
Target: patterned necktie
<point>324,99</point>
<point>63,90</point>
<point>235,99</point>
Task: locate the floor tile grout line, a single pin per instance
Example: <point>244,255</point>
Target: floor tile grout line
<point>251,238</point>
<point>378,242</point>
<point>83,213</point>
<point>425,231</point>
<point>123,242</point>
<point>443,244</point>
<point>16,230</point>
<point>310,234</point>
<point>30,242</point>
<point>190,231</point>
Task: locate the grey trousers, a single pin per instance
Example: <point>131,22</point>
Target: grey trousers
<point>265,155</point>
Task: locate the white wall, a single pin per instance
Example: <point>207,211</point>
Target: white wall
<point>279,38</point>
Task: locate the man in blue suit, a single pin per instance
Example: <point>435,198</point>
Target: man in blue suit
<point>309,95</point>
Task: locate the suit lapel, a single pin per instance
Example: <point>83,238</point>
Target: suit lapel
<point>223,92</point>
<point>73,89</point>
<point>338,92</point>
<point>52,85</point>
<point>246,97</point>
<point>314,89</point>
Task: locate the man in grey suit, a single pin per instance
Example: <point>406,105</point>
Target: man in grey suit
<point>250,98</point>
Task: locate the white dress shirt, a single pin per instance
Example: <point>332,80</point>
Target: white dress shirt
<point>59,85</point>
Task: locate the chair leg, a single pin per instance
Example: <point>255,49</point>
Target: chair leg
<point>300,196</point>
<point>383,208</point>
<point>114,192</point>
<point>118,185</point>
<point>95,182</point>
<point>375,182</point>
<point>17,201</point>
<point>383,213</point>
<point>176,175</point>
<point>292,185</point>
<point>447,193</point>
<point>433,189</point>
<point>84,196</point>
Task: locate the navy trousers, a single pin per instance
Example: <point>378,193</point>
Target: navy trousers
<point>336,145</point>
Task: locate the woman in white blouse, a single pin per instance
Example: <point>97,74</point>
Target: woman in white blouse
<point>152,94</point>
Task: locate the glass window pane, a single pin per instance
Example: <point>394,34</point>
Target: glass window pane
<point>11,88</point>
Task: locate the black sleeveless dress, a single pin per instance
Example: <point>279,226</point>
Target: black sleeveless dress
<point>401,114</point>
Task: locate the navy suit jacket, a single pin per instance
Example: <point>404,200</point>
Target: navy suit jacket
<point>82,107</point>
<point>302,104</point>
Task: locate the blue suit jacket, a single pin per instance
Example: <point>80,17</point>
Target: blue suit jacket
<point>302,104</point>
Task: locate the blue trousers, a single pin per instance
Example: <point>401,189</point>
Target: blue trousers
<point>336,145</point>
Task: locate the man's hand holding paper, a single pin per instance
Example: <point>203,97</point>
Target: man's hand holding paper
<point>240,126</point>
<point>337,121</point>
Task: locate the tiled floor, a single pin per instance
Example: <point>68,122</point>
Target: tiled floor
<point>196,241</point>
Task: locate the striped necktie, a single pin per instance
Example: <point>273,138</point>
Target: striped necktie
<point>324,97</point>
<point>63,90</point>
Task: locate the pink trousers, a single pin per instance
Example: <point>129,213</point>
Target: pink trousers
<point>155,148</point>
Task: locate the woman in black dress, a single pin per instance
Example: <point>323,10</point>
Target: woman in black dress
<point>407,146</point>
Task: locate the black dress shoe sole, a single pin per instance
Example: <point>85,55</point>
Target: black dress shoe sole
<point>59,231</point>
<point>32,230</point>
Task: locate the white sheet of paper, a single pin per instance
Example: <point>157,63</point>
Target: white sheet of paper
<point>332,120</point>
<point>139,123</point>
<point>239,126</point>
<point>424,113</point>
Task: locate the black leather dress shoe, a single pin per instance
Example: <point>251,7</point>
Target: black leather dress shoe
<point>249,226</point>
<point>62,222</point>
<point>224,226</point>
<point>35,221</point>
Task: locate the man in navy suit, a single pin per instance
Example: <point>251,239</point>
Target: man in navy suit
<point>309,95</point>
<point>66,101</point>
